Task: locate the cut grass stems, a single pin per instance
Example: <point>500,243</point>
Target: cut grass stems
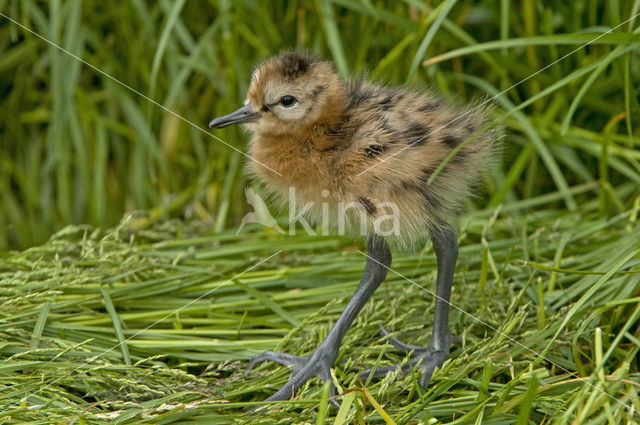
<point>77,147</point>
<point>70,307</point>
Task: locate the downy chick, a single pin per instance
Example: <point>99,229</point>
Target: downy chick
<point>372,155</point>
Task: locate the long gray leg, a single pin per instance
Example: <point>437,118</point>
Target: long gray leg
<point>319,363</point>
<point>445,246</point>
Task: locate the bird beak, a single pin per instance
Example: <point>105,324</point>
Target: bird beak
<point>244,114</point>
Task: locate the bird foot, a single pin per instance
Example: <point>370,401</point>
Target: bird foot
<point>318,364</point>
<point>427,359</point>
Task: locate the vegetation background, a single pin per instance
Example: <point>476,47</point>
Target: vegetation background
<point>79,148</point>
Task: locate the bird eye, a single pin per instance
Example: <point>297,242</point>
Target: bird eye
<point>287,100</point>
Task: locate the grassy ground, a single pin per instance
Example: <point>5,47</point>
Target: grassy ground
<point>554,339</point>
<point>77,147</point>
<point>121,325</point>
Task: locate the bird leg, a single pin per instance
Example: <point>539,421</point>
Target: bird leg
<point>445,245</point>
<point>319,362</point>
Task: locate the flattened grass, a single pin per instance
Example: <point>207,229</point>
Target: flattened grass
<point>95,326</point>
<point>77,147</point>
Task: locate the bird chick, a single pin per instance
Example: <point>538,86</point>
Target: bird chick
<point>371,154</point>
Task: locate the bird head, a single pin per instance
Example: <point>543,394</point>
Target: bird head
<point>288,94</point>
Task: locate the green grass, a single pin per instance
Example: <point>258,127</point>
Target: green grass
<point>125,322</point>
<point>77,147</point>
<point>548,255</point>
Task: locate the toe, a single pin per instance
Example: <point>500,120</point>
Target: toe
<point>429,364</point>
<point>272,356</point>
<point>401,345</point>
<point>325,375</point>
<point>381,372</point>
<point>332,395</point>
<point>317,365</point>
<point>284,393</point>
<point>426,377</point>
<point>427,361</point>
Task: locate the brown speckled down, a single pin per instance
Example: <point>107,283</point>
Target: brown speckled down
<point>325,143</point>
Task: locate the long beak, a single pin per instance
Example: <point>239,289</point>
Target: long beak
<point>244,114</point>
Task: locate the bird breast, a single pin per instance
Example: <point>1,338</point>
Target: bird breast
<point>381,155</point>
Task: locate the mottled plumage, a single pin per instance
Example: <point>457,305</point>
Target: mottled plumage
<point>370,152</point>
<point>348,127</point>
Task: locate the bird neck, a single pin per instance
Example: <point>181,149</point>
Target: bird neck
<point>335,103</point>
